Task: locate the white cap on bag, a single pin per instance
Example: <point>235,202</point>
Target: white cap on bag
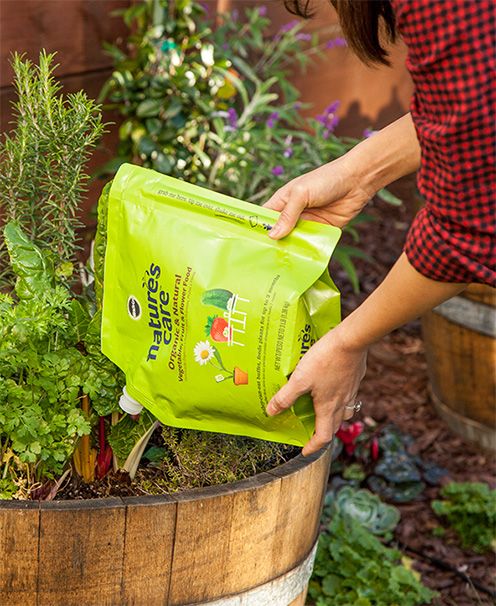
<point>128,404</point>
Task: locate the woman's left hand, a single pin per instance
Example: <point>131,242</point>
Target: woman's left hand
<point>331,372</point>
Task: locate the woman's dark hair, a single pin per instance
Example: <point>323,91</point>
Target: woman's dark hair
<point>364,23</point>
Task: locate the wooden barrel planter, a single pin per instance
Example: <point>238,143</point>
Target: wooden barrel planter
<point>249,543</point>
<point>460,346</point>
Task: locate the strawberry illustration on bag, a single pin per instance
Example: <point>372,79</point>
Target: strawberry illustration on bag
<point>217,328</point>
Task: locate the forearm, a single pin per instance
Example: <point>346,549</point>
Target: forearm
<point>388,155</point>
<point>404,295</point>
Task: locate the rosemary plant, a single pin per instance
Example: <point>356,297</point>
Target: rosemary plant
<point>42,162</point>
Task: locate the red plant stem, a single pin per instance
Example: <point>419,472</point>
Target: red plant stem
<point>101,433</point>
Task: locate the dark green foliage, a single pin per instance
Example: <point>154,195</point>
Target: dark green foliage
<point>470,509</point>
<point>354,568</point>
<point>49,336</point>
<point>42,162</point>
<point>381,460</point>
<point>399,476</point>
<point>100,245</point>
<point>196,98</point>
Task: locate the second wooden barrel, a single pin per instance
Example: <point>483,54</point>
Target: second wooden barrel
<point>460,342</point>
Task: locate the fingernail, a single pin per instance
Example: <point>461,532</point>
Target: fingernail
<point>275,231</point>
<point>270,410</point>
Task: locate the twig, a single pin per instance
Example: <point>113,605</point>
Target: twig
<point>446,566</point>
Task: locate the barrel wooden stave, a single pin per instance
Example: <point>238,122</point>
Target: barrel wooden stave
<point>19,529</point>
<point>80,552</point>
<point>461,365</point>
<point>149,540</point>
<point>190,548</point>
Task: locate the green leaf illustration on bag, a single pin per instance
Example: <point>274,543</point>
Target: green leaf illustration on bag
<point>206,315</point>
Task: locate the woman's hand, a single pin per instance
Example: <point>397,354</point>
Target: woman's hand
<point>331,372</point>
<point>338,191</point>
<point>330,194</point>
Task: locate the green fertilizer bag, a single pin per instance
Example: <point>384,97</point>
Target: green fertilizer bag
<point>205,314</point>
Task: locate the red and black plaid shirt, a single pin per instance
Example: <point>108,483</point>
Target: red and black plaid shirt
<point>451,58</point>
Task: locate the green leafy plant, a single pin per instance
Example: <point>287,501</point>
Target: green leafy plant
<point>128,439</point>
<point>353,567</point>
<point>366,508</point>
<point>46,363</point>
<point>214,104</point>
<point>49,336</point>
<point>470,509</point>
<point>40,369</point>
<point>42,162</point>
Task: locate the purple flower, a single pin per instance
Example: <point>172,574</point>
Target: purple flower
<point>332,107</point>
<point>329,118</point>
<point>306,37</point>
<point>332,123</point>
<point>368,132</point>
<point>272,119</point>
<point>278,170</point>
<point>235,14</point>
<point>287,27</point>
<point>232,117</point>
<point>335,42</point>
<point>297,105</point>
<point>262,10</point>
<point>288,152</point>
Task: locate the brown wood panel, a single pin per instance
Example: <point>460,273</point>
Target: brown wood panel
<point>223,541</point>
<point>300,507</point>
<point>260,519</point>
<point>461,366</point>
<point>246,534</point>
<point>74,29</point>
<point>81,552</point>
<point>149,539</point>
<point>480,293</point>
<point>201,545</point>
<point>19,530</point>
<point>251,532</point>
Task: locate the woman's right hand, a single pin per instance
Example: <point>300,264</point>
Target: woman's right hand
<point>331,194</point>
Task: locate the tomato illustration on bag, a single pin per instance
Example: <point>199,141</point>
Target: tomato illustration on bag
<point>217,328</point>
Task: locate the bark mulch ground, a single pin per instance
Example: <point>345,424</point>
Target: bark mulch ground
<point>395,391</point>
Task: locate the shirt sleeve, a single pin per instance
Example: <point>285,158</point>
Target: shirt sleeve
<point>451,59</point>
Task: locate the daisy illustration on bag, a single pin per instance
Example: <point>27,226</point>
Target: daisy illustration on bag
<point>205,353</point>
